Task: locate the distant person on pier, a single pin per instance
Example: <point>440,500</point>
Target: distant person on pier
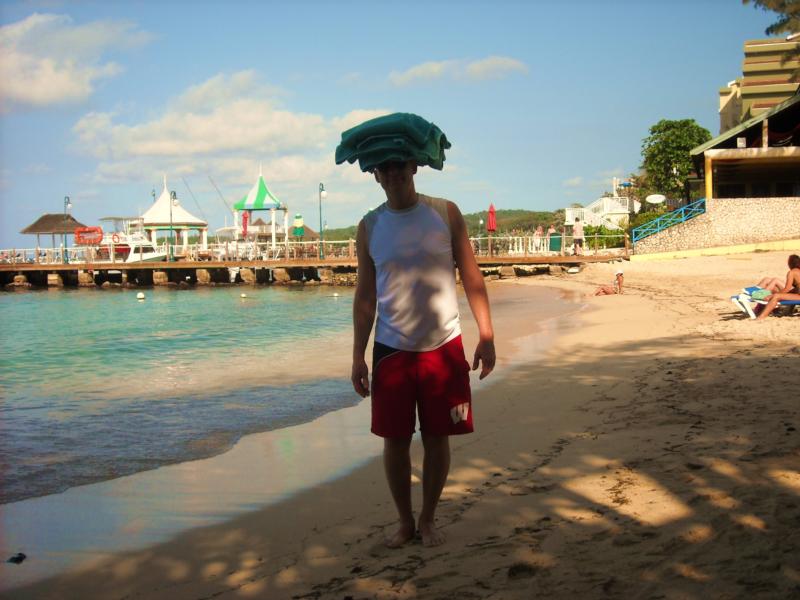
<point>577,236</point>
<point>537,239</point>
<point>406,251</point>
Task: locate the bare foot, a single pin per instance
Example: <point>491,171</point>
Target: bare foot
<point>430,535</point>
<point>404,534</point>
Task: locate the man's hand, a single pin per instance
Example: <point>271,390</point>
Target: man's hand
<point>360,377</point>
<point>484,354</point>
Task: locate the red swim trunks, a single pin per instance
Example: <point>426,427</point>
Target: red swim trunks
<point>433,383</point>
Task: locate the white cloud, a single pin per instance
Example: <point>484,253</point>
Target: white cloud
<point>205,120</point>
<point>222,89</point>
<point>425,71</point>
<point>229,127</point>
<point>573,182</point>
<point>48,60</point>
<point>494,67</point>
<point>491,67</point>
<point>224,117</point>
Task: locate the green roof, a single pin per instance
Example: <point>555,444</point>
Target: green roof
<point>733,132</point>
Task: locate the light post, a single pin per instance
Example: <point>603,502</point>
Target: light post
<point>480,231</point>
<point>67,206</point>
<point>173,201</point>
<point>322,194</point>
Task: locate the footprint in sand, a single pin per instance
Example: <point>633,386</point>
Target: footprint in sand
<point>521,571</point>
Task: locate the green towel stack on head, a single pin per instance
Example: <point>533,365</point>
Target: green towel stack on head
<point>395,137</point>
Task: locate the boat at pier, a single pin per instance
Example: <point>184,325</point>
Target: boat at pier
<point>125,242</point>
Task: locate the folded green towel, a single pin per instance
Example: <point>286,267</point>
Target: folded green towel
<point>761,294</point>
<point>399,136</point>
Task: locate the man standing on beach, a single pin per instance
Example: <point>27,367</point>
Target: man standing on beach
<point>407,249</point>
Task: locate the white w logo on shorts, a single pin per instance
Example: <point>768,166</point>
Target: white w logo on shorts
<point>459,413</point>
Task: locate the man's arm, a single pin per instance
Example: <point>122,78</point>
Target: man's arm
<point>475,288</point>
<point>363,312</point>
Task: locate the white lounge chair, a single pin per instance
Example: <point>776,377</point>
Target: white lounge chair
<point>745,302</point>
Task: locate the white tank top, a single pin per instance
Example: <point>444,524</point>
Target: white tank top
<point>415,275</point>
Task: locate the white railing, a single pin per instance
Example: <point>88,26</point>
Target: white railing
<point>556,245</point>
<point>230,251</point>
<point>501,246</point>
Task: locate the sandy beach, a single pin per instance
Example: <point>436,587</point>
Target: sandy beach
<point>649,449</point>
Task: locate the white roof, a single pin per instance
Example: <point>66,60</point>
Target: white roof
<point>158,214</point>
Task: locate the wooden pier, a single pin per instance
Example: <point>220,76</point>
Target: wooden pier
<point>331,271</point>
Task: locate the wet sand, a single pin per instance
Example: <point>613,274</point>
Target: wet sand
<point>649,450</point>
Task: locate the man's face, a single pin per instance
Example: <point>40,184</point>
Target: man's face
<point>395,175</point>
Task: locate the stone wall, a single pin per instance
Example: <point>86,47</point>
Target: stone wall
<point>729,222</point>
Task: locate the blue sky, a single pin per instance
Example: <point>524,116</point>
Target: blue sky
<point>543,103</point>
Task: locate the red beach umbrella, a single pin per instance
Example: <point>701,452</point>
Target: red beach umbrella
<point>245,219</point>
<point>491,221</point>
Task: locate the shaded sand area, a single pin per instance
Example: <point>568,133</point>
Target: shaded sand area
<point>650,450</point>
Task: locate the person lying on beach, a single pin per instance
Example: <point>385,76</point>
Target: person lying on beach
<point>406,249</point>
<point>614,288</point>
<point>790,290</point>
<point>773,284</point>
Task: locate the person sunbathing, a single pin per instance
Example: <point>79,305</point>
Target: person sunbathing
<point>789,291</point>
<point>614,288</point>
<point>773,284</point>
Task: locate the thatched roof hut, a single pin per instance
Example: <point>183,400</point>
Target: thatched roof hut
<point>53,223</point>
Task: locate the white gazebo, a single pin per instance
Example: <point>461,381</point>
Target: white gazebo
<point>167,214</point>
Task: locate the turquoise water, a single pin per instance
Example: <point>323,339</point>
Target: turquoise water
<point>95,384</point>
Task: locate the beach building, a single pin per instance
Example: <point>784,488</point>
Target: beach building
<point>768,79</point>
<point>167,215</point>
<point>611,211</point>
<point>751,177</point>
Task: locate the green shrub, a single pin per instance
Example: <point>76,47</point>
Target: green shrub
<point>602,241</point>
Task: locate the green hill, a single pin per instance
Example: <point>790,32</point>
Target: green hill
<point>514,220</point>
<point>342,233</point>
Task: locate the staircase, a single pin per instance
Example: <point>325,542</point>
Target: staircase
<point>675,217</point>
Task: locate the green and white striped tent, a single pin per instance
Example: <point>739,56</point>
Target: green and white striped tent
<point>260,198</point>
